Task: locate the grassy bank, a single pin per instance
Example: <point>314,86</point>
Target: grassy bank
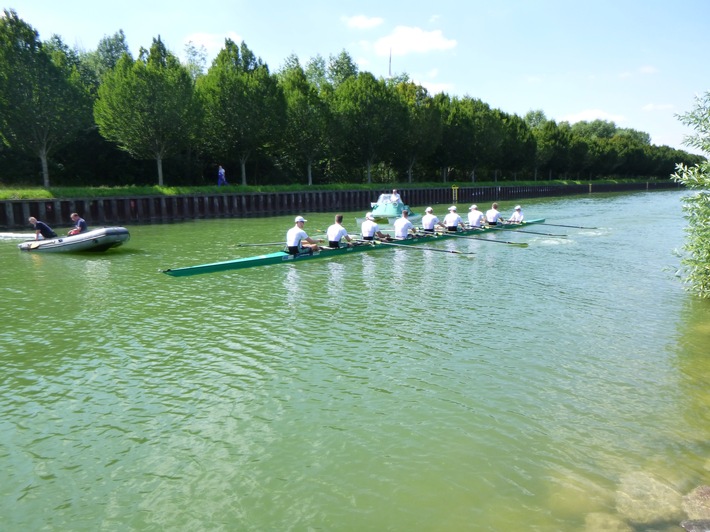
<point>28,193</point>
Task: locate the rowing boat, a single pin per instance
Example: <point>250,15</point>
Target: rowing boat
<point>282,257</point>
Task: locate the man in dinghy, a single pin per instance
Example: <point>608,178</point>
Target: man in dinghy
<point>298,241</point>
<point>79,225</point>
<point>41,229</point>
<point>337,232</point>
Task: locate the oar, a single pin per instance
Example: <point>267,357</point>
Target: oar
<point>519,244</point>
<point>529,232</point>
<point>572,226</point>
<point>264,244</point>
<point>422,248</point>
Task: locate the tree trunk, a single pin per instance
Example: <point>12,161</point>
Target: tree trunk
<point>369,172</point>
<point>159,162</point>
<point>45,167</point>
<point>310,173</point>
<point>243,164</point>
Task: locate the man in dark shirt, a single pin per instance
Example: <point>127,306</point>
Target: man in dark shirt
<point>41,228</point>
<point>80,226</point>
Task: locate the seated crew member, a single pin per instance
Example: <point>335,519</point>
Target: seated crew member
<point>403,227</point>
<point>395,197</point>
<point>517,217</point>
<point>493,215</point>
<point>452,221</point>
<point>430,221</point>
<point>41,228</point>
<point>337,232</point>
<point>475,217</point>
<point>298,241</point>
<point>370,229</point>
<point>79,225</point>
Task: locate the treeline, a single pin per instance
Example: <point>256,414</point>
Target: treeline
<point>103,117</point>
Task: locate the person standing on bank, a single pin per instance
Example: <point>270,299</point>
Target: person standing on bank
<point>493,215</point>
<point>337,232</point>
<point>41,229</point>
<point>430,221</point>
<point>79,225</point>
<point>452,221</point>
<point>402,226</point>
<point>475,217</point>
<point>517,217</point>
<point>298,241</point>
<point>221,177</point>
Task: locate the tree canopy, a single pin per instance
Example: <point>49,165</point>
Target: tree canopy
<point>326,122</point>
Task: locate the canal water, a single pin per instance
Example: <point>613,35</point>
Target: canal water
<point>562,386</point>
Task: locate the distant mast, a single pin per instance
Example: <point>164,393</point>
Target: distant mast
<point>390,62</point>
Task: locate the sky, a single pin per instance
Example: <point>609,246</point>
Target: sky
<point>637,63</point>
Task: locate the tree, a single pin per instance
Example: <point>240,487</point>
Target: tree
<point>696,261</point>
<point>148,106</point>
<point>245,109</point>
<point>369,115</point>
<point>42,103</point>
<point>307,116</point>
<point>422,131</point>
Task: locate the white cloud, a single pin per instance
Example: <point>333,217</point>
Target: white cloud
<point>435,88</point>
<point>404,40</point>
<point>588,115</point>
<point>361,22</point>
<point>658,107</point>
<point>648,70</point>
<point>533,79</point>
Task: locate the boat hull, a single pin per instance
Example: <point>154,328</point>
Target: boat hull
<point>96,240</point>
<point>281,257</point>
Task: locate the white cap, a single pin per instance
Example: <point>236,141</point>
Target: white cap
<point>518,207</point>
<point>473,207</point>
<point>369,216</point>
<point>452,208</point>
<point>428,209</point>
<point>300,219</point>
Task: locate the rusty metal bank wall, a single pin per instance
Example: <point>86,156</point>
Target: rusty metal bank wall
<point>166,209</point>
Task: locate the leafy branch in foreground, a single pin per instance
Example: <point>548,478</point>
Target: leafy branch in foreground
<point>696,261</point>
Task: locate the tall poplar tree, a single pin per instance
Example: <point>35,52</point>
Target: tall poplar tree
<point>148,107</point>
<point>245,110</point>
<point>42,103</point>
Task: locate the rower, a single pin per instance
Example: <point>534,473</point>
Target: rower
<point>402,226</point>
<point>370,229</point>
<point>430,221</point>
<point>493,215</point>
<point>337,232</point>
<point>475,217</point>
<point>298,241</point>
<point>452,221</point>
<point>517,216</point>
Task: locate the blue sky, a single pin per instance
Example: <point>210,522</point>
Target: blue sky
<point>637,63</point>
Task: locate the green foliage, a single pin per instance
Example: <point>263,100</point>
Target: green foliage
<point>42,104</point>
<point>148,106</point>
<point>696,261</point>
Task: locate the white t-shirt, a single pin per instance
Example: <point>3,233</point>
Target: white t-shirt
<point>475,218</point>
<point>402,227</point>
<point>395,198</point>
<point>452,219</point>
<point>492,216</point>
<point>429,221</point>
<point>295,235</point>
<point>369,228</point>
<point>516,217</point>
<point>336,233</point>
